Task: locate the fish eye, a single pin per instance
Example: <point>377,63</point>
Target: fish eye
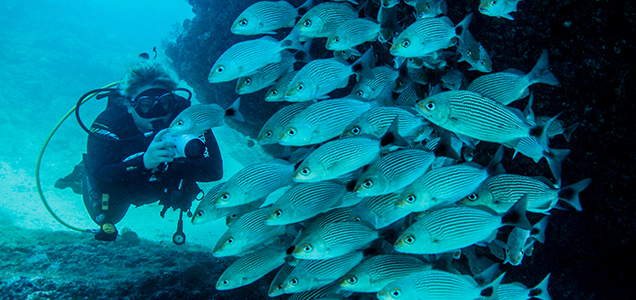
<point>269,133</point>
<point>291,131</point>
<point>468,52</point>
<point>247,81</point>
<point>356,130</point>
<point>225,196</point>
<point>482,62</point>
<point>396,293</point>
<point>243,22</point>
<point>220,69</point>
<point>430,105</point>
<point>428,6</point>
<point>357,219</point>
<point>305,171</point>
<point>200,213</point>
<point>234,216</point>
<point>278,213</point>
<point>472,197</point>
<point>360,93</point>
<point>294,281</point>
<point>225,282</point>
<point>410,198</point>
<point>229,241</point>
<point>307,23</point>
<point>352,280</point>
<point>406,43</point>
<point>493,2</point>
<point>368,183</point>
<point>336,40</point>
<point>180,123</point>
<point>308,248</point>
<point>409,239</point>
<point>273,92</point>
<point>300,87</point>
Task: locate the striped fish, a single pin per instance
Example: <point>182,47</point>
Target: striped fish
<point>408,96</point>
<point>206,211</point>
<point>322,76</point>
<point>510,85</point>
<point>453,228</point>
<point>322,19</point>
<point>394,171</point>
<point>531,147</point>
<point>322,121</point>
<point>428,8</point>
<point>517,290</point>
<point>473,52</point>
<point>245,58</point>
<point>333,240</point>
<point>377,120</point>
<point>501,191</point>
<point>276,93</point>
<point>372,274</point>
<point>254,182</point>
<point>303,201</point>
<point>438,285</point>
<point>557,127</point>
<point>447,185</point>
<point>379,211</point>
<point>327,292</point>
<point>276,286</point>
<point>312,274</point>
<point>337,158</point>
<point>201,117</point>
<point>250,268</point>
<point>352,33</point>
<point>427,36</point>
<point>246,233</point>
<point>264,17</point>
<point>470,114</point>
<point>371,87</point>
<point>273,128</point>
<point>498,9</point>
<point>266,75</point>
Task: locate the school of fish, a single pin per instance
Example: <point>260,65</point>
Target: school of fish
<point>382,198</point>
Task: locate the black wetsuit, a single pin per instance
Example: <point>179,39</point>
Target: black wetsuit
<point>115,167</point>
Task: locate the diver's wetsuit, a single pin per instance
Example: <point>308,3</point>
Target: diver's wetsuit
<point>115,167</point>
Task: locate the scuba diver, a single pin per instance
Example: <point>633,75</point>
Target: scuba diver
<point>131,157</point>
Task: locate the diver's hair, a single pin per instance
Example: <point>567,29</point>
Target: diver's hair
<point>146,73</point>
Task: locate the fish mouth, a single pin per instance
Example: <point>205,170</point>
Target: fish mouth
<point>401,203</point>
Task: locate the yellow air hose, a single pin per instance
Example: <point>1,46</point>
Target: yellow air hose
<point>37,167</point>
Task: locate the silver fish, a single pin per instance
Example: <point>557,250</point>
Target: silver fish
<point>254,182</point>
<point>510,85</point>
<point>474,53</point>
<point>198,118</point>
<point>312,274</point>
<point>426,36</point>
<point>322,121</point>
<point>501,191</point>
<point>266,75</point>
<point>333,240</point>
<point>322,76</point>
<point>372,274</point>
<point>447,185</point>
<point>371,87</point>
<point>393,172</point>
<point>276,286</point>
<point>247,232</point>
<point>429,8</point>
<point>273,128</point>
<point>276,93</point>
<point>331,291</point>
<point>436,284</point>
<point>245,58</point>
<point>207,212</point>
<point>379,211</point>
<point>519,240</point>
<point>322,19</point>
<point>250,268</point>
<point>337,158</point>
<point>264,17</point>
<point>557,127</point>
<point>453,228</point>
<point>376,122</point>
<point>303,201</point>
<point>516,290</point>
<point>498,8</point>
<point>352,33</point>
<point>531,147</point>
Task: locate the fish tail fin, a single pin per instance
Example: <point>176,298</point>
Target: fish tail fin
<point>538,230</point>
<point>488,275</point>
<point>392,137</point>
<point>304,7</point>
<point>463,26</point>
<point>292,40</point>
<point>541,71</point>
<point>541,131</point>
<point>516,215</point>
<point>570,193</point>
<point>540,291</point>
<point>567,133</point>
<point>555,157</point>
<point>445,148</point>
<point>489,292</point>
<point>363,65</point>
<point>233,111</point>
<point>303,54</point>
<point>495,167</point>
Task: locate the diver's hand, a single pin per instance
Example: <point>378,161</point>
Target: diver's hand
<point>158,151</point>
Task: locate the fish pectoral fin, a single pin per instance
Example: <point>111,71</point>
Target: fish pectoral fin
<point>508,16</point>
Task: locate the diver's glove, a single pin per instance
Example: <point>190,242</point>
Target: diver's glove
<point>107,232</point>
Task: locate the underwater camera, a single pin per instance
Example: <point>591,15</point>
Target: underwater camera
<point>189,146</point>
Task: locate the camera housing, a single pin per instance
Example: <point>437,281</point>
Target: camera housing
<point>190,146</point>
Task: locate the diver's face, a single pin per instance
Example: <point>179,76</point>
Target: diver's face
<point>151,104</point>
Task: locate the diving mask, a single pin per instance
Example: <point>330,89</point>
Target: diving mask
<point>154,103</point>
